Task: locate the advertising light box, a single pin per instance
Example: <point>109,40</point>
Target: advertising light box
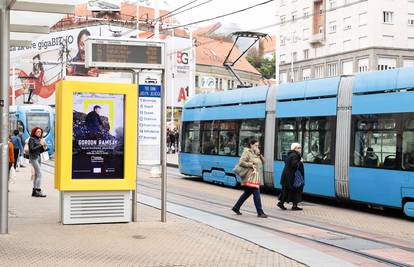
<point>96,130</point>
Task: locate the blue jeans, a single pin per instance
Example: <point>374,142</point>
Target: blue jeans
<point>256,198</point>
<point>38,173</point>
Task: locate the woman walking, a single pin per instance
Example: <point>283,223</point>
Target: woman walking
<point>249,165</point>
<point>293,178</point>
<point>36,146</point>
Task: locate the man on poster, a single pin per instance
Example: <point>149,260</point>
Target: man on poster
<point>93,121</point>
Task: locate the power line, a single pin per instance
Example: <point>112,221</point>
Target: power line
<point>178,8</point>
<point>182,11</point>
<point>220,16</point>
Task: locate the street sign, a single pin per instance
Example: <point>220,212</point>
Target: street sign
<point>124,53</point>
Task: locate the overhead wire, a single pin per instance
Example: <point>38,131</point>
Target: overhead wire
<point>182,11</point>
<point>178,8</point>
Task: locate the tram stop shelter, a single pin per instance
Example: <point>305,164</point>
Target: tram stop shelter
<point>20,22</point>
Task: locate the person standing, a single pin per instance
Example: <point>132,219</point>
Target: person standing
<point>18,146</point>
<point>250,161</point>
<point>292,179</point>
<point>11,154</point>
<point>36,146</point>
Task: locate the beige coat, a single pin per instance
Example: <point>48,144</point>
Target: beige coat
<point>249,159</point>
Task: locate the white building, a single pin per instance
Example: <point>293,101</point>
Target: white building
<point>322,38</point>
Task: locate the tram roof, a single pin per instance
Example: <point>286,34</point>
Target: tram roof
<point>230,97</point>
<point>383,80</point>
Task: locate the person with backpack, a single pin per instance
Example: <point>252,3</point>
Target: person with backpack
<point>292,179</point>
<point>18,146</point>
<point>36,147</point>
<point>249,168</point>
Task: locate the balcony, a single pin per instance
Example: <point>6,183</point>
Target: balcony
<point>317,38</point>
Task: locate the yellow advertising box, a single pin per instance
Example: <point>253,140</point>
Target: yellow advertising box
<point>96,136</point>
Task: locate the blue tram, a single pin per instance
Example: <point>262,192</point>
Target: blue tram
<point>357,135</point>
<point>26,117</point>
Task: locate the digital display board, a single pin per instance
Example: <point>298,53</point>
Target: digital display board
<point>112,53</point>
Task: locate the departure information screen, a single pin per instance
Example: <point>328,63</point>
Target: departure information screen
<point>126,54</point>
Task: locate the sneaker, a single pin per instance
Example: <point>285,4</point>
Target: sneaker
<point>236,211</point>
<point>296,208</point>
<point>262,215</point>
<point>281,206</point>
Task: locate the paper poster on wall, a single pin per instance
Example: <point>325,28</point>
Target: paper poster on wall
<point>98,136</point>
<point>149,118</point>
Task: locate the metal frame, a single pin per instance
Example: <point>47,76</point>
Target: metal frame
<point>116,41</point>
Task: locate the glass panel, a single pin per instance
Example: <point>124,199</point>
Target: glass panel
<point>41,120</point>
<point>228,143</point>
<point>246,136</point>
<point>317,142</point>
<point>287,125</point>
<point>210,142</point>
<point>409,124</point>
<point>284,141</point>
<point>209,125</point>
<point>251,126</point>
<point>192,142</point>
<point>408,150</point>
<point>228,125</point>
<point>12,123</point>
<point>192,125</point>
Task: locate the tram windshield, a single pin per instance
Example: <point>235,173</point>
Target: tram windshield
<point>41,120</point>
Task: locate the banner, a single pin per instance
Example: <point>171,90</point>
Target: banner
<point>98,136</point>
<point>149,118</point>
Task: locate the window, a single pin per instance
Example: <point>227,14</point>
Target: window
<point>314,134</point>
<point>332,69</point>
<point>332,3</point>
<point>408,63</point>
<point>319,71</point>
<point>375,141</point>
<point>294,56</point>
<point>386,63</point>
<point>306,34</point>
<point>306,12</point>
<point>282,58</point>
<point>191,137</point>
<point>41,120</point>
<point>250,129</point>
<point>210,138</point>
<point>294,16</point>
<point>282,19</point>
<point>347,67</point>
<point>363,65</point>
<point>282,40</point>
<point>221,84</point>
<point>320,10</point>
<point>332,27</point>
<point>294,37</point>
<point>363,19</point>
<point>363,41</point>
<point>332,48</point>
<point>217,83</point>
<point>228,136</point>
<point>228,84</point>
<point>232,84</point>
<point>408,144</point>
<point>305,53</point>
<point>410,19</point>
<point>388,17</point>
<point>283,77</point>
<point>347,23</point>
<point>347,45</point>
<point>306,73</point>
<point>320,29</point>
<point>196,81</point>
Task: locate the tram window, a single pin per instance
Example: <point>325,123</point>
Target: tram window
<point>191,142</point>
<point>248,130</point>
<point>408,145</point>
<point>317,140</point>
<point>210,137</point>
<point>41,120</point>
<point>228,137</point>
<point>289,131</point>
<point>12,123</point>
<point>376,143</point>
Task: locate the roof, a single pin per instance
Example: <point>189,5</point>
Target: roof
<point>213,52</point>
<point>308,89</point>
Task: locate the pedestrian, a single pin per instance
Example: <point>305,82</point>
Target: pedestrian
<point>177,138</point>
<point>18,146</point>
<point>21,156</point>
<point>11,154</point>
<point>172,141</point>
<point>249,165</point>
<point>292,179</point>
<point>37,145</point>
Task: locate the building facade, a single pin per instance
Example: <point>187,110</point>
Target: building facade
<point>323,38</point>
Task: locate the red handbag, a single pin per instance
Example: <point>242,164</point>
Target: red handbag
<point>253,180</point>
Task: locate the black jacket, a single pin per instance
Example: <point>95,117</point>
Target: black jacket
<point>94,122</point>
<point>292,163</point>
<point>35,148</point>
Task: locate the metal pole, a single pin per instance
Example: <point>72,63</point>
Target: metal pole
<point>157,23</point>
<point>4,117</point>
<point>163,151</point>
<point>172,89</point>
<point>134,192</point>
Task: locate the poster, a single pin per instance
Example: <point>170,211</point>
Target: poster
<point>149,118</point>
<point>98,136</point>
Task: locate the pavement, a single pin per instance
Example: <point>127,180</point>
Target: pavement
<point>172,160</point>
<point>37,238</point>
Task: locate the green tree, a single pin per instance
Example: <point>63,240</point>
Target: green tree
<point>266,66</point>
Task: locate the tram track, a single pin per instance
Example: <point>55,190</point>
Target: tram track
<point>280,219</point>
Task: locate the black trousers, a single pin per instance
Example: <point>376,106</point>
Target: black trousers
<point>16,156</point>
<point>256,198</point>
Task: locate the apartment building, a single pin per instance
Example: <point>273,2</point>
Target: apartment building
<point>323,38</point>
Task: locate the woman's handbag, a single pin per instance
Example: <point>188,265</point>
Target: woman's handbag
<point>253,180</point>
<point>44,156</point>
<point>240,171</point>
<point>299,181</point>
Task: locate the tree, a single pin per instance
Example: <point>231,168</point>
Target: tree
<point>266,66</point>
